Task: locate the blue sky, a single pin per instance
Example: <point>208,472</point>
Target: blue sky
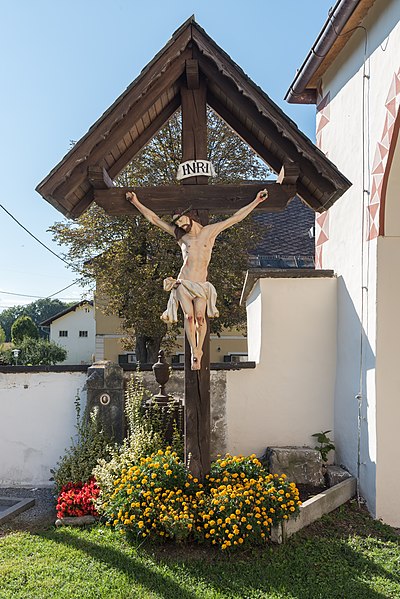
<point>63,62</point>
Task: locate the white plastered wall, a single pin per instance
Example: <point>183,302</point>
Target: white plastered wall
<point>357,114</point>
<point>290,394</point>
<point>387,352</point>
<point>36,425</point>
<point>80,349</point>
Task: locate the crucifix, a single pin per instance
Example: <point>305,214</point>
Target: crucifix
<point>196,195</point>
<point>191,289</point>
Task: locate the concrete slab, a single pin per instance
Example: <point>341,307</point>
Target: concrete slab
<point>12,506</point>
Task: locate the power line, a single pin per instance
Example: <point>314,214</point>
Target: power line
<point>42,297</point>
<point>35,238</point>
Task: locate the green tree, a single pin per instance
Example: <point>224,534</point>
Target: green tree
<point>23,327</point>
<point>37,352</point>
<point>129,258</point>
<point>2,336</point>
<point>39,310</point>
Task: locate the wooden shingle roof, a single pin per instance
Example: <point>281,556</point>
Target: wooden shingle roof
<point>147,104</point>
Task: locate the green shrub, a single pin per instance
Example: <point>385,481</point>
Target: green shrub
<point>23,327</point>
<point>81,457</point>
<point>38,352</point>
<point>146,434</point>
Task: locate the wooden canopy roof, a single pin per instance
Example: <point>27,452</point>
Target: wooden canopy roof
<point>147,104</point>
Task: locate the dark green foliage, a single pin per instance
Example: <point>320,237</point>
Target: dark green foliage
<point>22,328</point>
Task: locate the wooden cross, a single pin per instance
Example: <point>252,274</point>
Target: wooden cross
<point>195,191</point>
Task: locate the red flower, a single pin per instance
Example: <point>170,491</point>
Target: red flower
<point>77,499</point>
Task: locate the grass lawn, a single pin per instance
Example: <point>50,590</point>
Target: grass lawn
<point>345,555</point>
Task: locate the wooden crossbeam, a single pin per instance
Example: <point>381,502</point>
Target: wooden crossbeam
<point>218,199</point>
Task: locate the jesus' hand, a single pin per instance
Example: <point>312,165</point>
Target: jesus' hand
<point>131,197</point>
<point>262,195</point>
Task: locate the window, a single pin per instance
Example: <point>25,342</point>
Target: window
<point>236,357</point>
<point>83,333</point>
<point>63,333</point>
<point>178,359</point>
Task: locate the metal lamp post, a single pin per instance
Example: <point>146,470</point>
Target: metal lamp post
<point>16,353</point>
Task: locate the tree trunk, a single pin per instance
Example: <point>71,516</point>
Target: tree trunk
<point>147,349</point>
<point>141,351</point>
<point>153,347</point>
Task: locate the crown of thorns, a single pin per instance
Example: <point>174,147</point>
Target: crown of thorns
<point>178,216</point>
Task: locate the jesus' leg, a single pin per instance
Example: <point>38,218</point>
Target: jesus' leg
<point>200,306</point>
<point>186,304</point>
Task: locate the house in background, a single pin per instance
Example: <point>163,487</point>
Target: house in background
<point>352,74</point>
<point>75,330</point>
<point>287,243</point>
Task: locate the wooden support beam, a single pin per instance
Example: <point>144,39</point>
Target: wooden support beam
<point>192,74</point>
<point>197,411</point>
<point>194,127</point>
<point>218,199</point>
<point>99,178</point>
<point>289,174</point>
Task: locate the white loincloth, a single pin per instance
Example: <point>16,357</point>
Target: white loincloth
<point>204,290</point>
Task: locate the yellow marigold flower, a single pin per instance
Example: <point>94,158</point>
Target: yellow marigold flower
<point>168,472</point>
<point>249,526</point>
<point>141,524</point>
<point>223,546</point>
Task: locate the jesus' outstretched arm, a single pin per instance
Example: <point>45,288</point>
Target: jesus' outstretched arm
<point>217,228</point>
<point>149,214</point>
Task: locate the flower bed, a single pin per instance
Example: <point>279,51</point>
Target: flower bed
<point>78,499</point>
<point>235,506</point>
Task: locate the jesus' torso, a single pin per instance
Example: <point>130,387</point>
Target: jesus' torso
<point>196,254</point>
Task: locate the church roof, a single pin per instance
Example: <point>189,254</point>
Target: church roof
<point>343,21</point>
<point>147,104</point>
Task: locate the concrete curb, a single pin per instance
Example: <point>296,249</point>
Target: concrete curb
<point>16,506</point>
<point>314,508</point>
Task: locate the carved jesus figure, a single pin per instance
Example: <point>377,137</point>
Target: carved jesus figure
<point>196,295</point>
